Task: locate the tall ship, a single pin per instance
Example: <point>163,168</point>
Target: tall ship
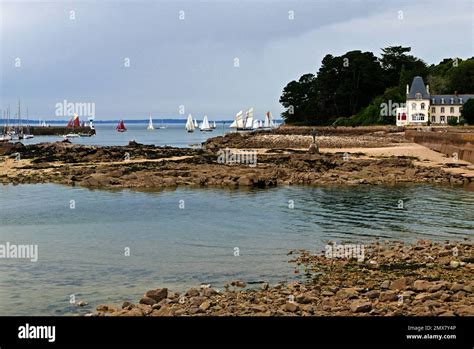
<point>121,127</point>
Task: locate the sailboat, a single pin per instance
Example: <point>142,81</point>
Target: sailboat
<point>214,125</point>
<point>121,127</point>
<point>162,126</point>
<point>268,124</point>
<point>190,124</point>
<point>27,134</point>
<point>195,123</point>
<point>238,122</point>
<point>150,125</point>
<point>205,125</point>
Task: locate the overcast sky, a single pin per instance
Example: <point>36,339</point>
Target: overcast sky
<point>190,62</point>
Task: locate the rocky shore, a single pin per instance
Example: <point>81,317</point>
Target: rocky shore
<point>147,166</point>
<point>393,279</point>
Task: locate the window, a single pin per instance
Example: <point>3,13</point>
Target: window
<point>442,109</point>
<point>418,117</point>
<point>451,110</point>
<point>441,119</point>
<point>460,100</point>
<point>433,100</point>
<point>413,106</point>
<point>433,109</point>
<point>418,96</point>
<point>442,100</point>
<point>433,118</point>
<point>422,106</point>
<point>452,100</point>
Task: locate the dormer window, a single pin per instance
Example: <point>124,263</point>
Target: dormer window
<point>442,100</point>
<point>422,106</point>
<point>418,96</point>
<point>433,100</point>
<point>460,100</point>
<point>452,100</point>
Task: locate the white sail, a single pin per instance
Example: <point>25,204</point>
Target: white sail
<point>249,119</point>
<point>190,124</point>
<point>214,124</point>
<point>238,122</point>
<point>268,120</point>
<point>150,124</point>
<point>256,124</point>
<point>195,123</point>
<point>205,124</point>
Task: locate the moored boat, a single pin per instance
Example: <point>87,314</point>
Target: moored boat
<point>190,124</point>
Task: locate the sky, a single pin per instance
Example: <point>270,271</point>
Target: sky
<point>131,59</point>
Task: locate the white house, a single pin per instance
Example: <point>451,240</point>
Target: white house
<point>422,107</point>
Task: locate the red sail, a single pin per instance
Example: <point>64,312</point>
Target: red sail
<point>121,126</point>
<point>77,122</point>
<point>70,123</point>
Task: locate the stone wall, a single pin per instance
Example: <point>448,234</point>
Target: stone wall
<point>448,142</point>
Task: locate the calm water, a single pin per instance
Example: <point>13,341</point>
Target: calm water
<point>81,250</point>
<point>174,135</point>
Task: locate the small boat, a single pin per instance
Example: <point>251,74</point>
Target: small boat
<point>195,123</point>
<point>71,135</point>
<point>28,136</point>
<point>205,125</point>
<point>85,134</point>
<point>162,126</point>
<point>121,127</point>
<point>213,126</point>
<point>150,125</point>
<point>190,124</point>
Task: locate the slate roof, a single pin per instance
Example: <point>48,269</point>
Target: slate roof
<point>437,99</point>
<point>418,86</point>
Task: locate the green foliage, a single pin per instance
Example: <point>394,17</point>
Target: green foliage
<point>467,112</point>
<point>452,121</point>
<point>359,89</point>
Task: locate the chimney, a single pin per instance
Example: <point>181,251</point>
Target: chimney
<point>456,93</point>
<point>408,89</point>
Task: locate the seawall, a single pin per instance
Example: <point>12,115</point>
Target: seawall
<point>451,142</point>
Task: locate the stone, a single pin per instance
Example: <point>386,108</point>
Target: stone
<point>372,294</point>
<point>424,296</point>
<point>421,285</point>
<point>347,293</point>
<point>361,306</point>
<point>291,307</point>
<point>205,305</point>
<point>456,287</point>
<point>192,292</point>
<point>327,293</point>
<point>238,283</point>
<point>127,304</point>
<point>385,285</point>
<point>388,296</point>
<point>304,298</point>
<point>81,303</point>
<point>158,294</point>
<point>163,311</point>
<point>313,148</point>
<point>208,292</point>
<point>399,284</point>
<point>197,301</point>
<point>465,310</point>
<point>147,301</point>
<point>265,286</point>
<point>454,264</point>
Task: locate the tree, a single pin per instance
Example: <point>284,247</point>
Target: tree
<point>467,112</point>
<point>461,77</point>
<point>295,98</point>
<point>394,58</point>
